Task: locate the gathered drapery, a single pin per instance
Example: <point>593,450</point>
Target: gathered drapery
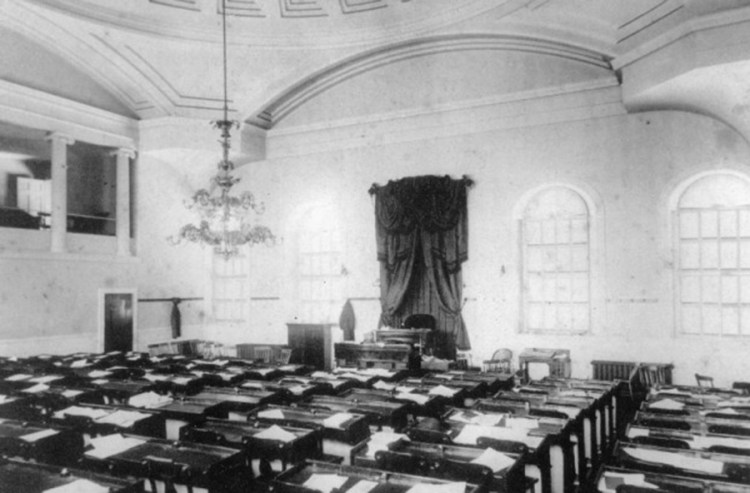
<point>423,218</point>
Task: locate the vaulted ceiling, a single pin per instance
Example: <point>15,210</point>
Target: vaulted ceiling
<point>153,58</point>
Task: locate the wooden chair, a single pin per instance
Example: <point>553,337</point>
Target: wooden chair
<point>501,360</point>
<point>704,381</point>
<point>285,354</point>
<point>263,354</point>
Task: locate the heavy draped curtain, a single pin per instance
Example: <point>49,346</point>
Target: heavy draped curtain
<point>423,219</point>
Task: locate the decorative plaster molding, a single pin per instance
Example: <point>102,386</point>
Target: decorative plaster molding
<point>37,109</point>
<point>596,99</point>
<point>693,26</point>
<point>298,95</point>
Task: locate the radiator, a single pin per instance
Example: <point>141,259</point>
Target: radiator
<point>613,370</point>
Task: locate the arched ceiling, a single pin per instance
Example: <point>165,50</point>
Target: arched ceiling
<point>163,57</point>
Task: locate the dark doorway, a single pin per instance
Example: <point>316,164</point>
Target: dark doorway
<point>118,322</point>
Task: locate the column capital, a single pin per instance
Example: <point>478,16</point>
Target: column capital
<point>126,152</point>
<point>60,137</point>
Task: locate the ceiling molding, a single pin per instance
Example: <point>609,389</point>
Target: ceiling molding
<point>37,109</point>
<point>297,95</point>
<point>276,23</point>
<point>687,28</point>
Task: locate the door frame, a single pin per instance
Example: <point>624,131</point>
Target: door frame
<point>133,292</point>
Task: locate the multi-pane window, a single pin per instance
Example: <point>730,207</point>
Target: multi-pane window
<point>319,282</point>
<point>556,273</point>
<point>713,250</point>
<point>231,288</point>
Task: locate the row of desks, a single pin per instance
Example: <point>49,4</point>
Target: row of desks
<point>553,431</point>
<point>684,439</point>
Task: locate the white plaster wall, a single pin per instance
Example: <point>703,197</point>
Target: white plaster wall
<point>627,163</point>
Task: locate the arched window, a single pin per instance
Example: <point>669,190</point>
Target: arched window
<point>319,267</point>
<point>556,276</point>
<point>712,231</point>
<point>230,287</point>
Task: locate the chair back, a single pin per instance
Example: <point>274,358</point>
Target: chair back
<point>704,381</point>
<point>502,360</point>
<point>419,321</point>
<point>285,354</point>
<point>263,353</point>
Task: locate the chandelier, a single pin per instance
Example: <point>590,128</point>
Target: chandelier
<point>223,216</point>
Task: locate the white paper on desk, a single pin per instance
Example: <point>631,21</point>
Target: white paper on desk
<point>226,376</point>
<point>476,418</point>
<point>377,372</point>
<point>420,399</point>
<point>455,487</point>
<point>3,397</point>
<point>155,378</point>
<point>100,381</point>
<point>355,376</point>
<point>122,418</point>
<point>444,376</point>
<point>321,374</point>
<point>723,410</point>
<point>79,486</point>
<point>271,414</point>
<point>299,389</point>
<point>381,385</point>
<point>574,393</point>
<point>40,387</point>
<point>68,394</point>
<point>107,446</point>
<point>325,482</point>
<point>277,433</point>
<point>263,371</point>
<point>522,423</point>
<point>404,389</point>
<point>443,391</point>
<point>18,377</point>
<point>703,442</point>
<point>46,379</point>
<point>88,412</point>
<point>183,380</point>
<point>637,431</point>
<point>79,363</point>
<point>381,440</point>
<point>634,479</point>
<point>497,461</point>
<point>99,374</point>
<point>470,433</point>
<point>362,486</point>
<point>675,459</point>
<point>38,435</point>
<point>253,385</point>
<point>336,420</point>
<point>668,404</point>
<point>149,400</point>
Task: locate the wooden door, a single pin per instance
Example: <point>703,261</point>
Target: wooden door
<point>118,322</point>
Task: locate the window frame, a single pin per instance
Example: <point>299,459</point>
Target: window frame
<point>592,243</point>
<point>720,272</point>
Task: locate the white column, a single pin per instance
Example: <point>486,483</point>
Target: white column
<point>59,216</point>
<point>122,215</point>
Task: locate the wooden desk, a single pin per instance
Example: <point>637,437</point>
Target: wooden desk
<point>447,462</point>
<point>30,477</point>
<point>293,480</point>
<point>372,355</point>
